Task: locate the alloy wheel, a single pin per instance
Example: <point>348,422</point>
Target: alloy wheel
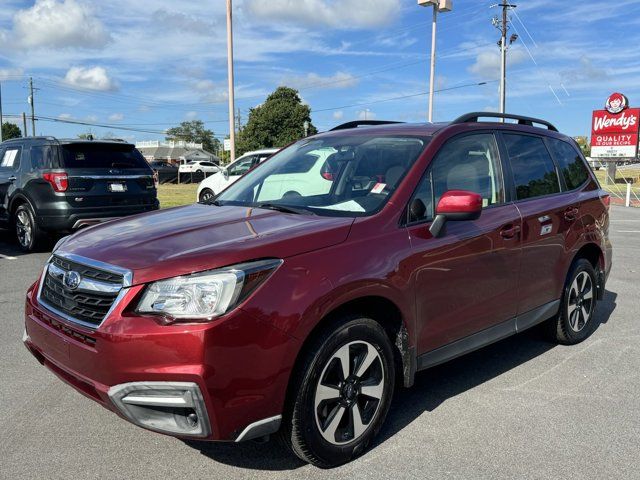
<point>206,196</point>
<point>349,393</point>
<point>580,304</point>
<point>23,228</point>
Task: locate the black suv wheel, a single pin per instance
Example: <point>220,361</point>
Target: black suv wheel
<point>342,393</point>
<point>29,235</point>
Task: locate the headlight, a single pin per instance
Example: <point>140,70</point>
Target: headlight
<point>206,295</point>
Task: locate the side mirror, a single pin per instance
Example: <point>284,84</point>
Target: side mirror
<point>225,173</point>
<point>456,205</point>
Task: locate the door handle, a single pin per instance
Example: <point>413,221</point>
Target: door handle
<point>570,214</point>
<point>12,178</point>
<point>510,232</point>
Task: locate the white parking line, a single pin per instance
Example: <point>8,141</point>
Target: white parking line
<point>628,231</point>
<point>7,257</point>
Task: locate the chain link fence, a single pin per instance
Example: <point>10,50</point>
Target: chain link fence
<point>621,179</point>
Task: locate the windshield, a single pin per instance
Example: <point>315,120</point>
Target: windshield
<point>101,155</point>
<point>336,175</point>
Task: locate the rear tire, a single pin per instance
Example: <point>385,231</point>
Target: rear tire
<point>574,322</point>
<point>341,394</point>
<point>30,236</point>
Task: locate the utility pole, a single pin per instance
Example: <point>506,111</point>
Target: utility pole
<point>232,129</point>
<point>239,120</point>
<point>1,113</point>
<point>24,124</point>
<point>33,108</point>
<point>503,26</point>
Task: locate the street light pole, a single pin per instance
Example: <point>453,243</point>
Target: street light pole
<point>438,6</point>
<point>432,75</point>
<point>232,120</point>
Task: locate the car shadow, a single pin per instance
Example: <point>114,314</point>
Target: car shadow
<point>431,389</point>
<point>9,245</point>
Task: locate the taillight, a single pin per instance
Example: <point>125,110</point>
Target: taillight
<point>606,199</point>
<point>156,180</point>
<point>58,180</point>
<point>327,175</point>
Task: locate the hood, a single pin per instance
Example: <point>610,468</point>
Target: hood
<point>182,240</point>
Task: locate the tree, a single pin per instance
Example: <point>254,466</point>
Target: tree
<point>276,123</point>
<point>194,131</point>
<point>10,130</point>
<point>583,143</point>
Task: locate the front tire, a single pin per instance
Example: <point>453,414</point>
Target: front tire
<point>30,236</point>
<point>574,323</point>
<point>341,394</point>
<point>205,195</point>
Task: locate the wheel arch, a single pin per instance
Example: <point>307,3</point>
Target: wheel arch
<point>380,309</point>
<point>17,200</point>
<point>594,254</point>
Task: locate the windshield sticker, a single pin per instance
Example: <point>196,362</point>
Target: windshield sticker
<point>378,187</point>
<point>350,206</point>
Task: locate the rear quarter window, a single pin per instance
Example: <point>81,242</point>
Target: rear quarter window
<point>534,172</point>
<point>86,155</point>
<point>571,165</point>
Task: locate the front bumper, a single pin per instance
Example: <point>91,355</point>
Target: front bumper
<point>239,366</point>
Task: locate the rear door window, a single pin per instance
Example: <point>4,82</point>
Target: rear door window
<point>87,155</point>
<point>534,172</point>
<point>571,165</point>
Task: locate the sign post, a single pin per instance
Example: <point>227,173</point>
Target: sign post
<point>614,133</point>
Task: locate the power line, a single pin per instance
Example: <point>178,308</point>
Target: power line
<point>402,97</point>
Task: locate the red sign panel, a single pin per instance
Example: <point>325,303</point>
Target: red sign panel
<point>615,135</point>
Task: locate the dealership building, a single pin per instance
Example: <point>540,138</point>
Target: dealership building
<point>175,152</point>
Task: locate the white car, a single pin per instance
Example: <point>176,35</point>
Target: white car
<point>214,184</point>
<point>198,166</point>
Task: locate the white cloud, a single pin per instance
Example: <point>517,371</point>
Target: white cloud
<point>366,114</point>
<point>50,23</point>
<point>313,80</point>
<point>191,115</point>
<point>116,117</point>
<point>178,21</point>
<point>65,116</point>
<point>338,114</point>
<point>339,14</point>
<point>8,73</point>
<point>92,118</point>
<point>91,78</point>
<point>487,64</point>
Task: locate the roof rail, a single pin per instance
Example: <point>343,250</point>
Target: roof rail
<point>361,123</point>
<point>522,120</point>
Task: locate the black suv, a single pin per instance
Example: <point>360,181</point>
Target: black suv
<point>57,186</point>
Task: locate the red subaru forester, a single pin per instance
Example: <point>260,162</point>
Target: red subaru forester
<point>303,294</point>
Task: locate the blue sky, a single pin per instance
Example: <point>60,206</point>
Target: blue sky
<point>150,64</point>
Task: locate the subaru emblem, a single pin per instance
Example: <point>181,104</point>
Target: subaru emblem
<point>71,280</point>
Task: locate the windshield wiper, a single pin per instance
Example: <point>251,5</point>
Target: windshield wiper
<point>285,208</point>
<point>210,201</point>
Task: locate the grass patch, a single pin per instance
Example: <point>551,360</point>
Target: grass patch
<point>175,195</point>
<point>624,175</point>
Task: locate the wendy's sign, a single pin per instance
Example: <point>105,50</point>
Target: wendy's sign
<point>614,131</point>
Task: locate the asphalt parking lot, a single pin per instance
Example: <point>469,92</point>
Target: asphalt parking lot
<point>522,408</point>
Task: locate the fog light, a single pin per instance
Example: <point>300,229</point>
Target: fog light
<point>192,419</point>
<point>176,408</point>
